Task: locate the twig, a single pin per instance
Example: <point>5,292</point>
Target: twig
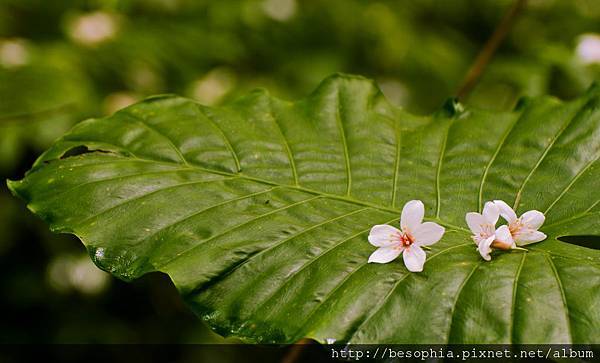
<point>296,350</point>
<point>489,49</point>
<point>36,115</point>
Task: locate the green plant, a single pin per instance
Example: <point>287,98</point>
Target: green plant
<point>259,212</point>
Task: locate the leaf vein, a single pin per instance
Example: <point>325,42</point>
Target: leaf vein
<point>571,183</point>
<point>575,217</point>
<point>120,177</point>
<point>138,198</point>
<point>235,227</point>
<point>514,299</point>
<point>439,172</point>
<point>228,143</point>
<point>155,233</point>
<point>342,282</point>
<point>395,286</point>
<point>397,163</point>
<point>494,156</point>
<point>304,266</point>
<point>163,135</point>
<point>542,157</point>
<point>340,123</point>
<point>562,294</point>
<point>459,291</point>
<point>286,144</point>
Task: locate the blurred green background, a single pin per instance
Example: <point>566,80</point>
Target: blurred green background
<point>63,61</point>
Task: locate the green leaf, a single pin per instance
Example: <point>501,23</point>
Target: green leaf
<point>259,212</point>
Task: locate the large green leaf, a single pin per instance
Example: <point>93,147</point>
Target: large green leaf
<point>259,212</point>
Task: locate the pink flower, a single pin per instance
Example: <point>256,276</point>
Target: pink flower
<point>406,241</point>
<point>524,229</point>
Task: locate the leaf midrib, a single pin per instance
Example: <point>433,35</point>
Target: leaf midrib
<point>193,166</point>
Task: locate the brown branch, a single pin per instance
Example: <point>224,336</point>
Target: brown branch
<point>293,355</point>
<point>489,49</point>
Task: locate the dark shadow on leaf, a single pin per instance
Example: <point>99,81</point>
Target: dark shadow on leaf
<point>80,150</point>
<point>592,242</point>
<point>77,150</point>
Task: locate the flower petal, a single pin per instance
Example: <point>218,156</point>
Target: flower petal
<point>485,248</point>
<point>414,258</point>
<point>475,221</point>
<point>529,236</point>
<point>412,215</point>
<point>533,219</point>
<point>506,211</point>
<point>428,233</point>
<point>504,236</point>
<point>384,254</point>
<point>383,235</point>
<point>491,212</point>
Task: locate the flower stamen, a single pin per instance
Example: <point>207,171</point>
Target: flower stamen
<point>406,239</point>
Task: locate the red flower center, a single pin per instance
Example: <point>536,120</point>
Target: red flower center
<point>406,239</point>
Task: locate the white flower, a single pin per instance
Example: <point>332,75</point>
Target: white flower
<point>524,229</point>
<point>408,241</point>
<point>483,227</point>
<point>93,28</point>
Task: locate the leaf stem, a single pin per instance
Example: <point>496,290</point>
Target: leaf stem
<point>520,249</point>
<point>489,49</point>
<point>296,350</point>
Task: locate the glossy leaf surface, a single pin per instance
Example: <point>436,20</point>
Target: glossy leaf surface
<point>259,212</point>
